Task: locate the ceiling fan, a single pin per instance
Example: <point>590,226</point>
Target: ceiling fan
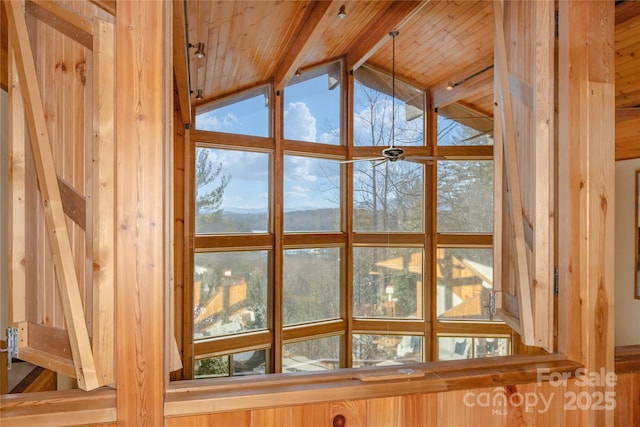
<point>393,153</point>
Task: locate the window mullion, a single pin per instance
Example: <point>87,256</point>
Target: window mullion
<point>277,192</point>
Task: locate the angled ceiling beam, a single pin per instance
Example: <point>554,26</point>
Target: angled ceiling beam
<point>473,79</point>
<point>393,18</point>
<point>180,61</point>
<point>306,35</point>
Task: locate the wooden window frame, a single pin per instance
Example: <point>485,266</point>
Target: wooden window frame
<point>428,328</point>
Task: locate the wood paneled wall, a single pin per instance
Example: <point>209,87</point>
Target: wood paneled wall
<point>530,405</point>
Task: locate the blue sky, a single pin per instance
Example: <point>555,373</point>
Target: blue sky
<point>312,113</point>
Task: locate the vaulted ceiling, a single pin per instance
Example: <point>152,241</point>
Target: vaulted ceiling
<point>250,42</point>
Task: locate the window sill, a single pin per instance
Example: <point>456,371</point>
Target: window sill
<point>193,397</point>
<point>627,359</point>
<point>69,407</point>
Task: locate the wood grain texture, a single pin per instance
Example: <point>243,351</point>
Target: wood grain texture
<point>140,59</point>
<point>51,200</point>
<point>305,36</point>
<point>64,19</point>
<point>16,199</point>
<point>103,258</point>
<point>515,220</point>
<point>586,183</point>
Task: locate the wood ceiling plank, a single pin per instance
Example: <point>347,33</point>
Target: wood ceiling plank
<point>306,36</point>
<point>479,84</point>
<point>394,18</point>
<point>627,10</point>
<point>627,136</point>
<point>198,32</point>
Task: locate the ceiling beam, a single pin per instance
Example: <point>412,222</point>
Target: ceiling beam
<point>306,36</point>
<point>473,79</point>
<point>396,15</point>
<point>180,61</point>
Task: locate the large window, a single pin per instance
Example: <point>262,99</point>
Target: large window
<point>313,253</point>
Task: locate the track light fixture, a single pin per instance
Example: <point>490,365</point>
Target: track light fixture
<point>199,49</point>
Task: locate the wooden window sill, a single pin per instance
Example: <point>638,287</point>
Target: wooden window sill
<point>195,397</point>
<point>69,407</point>
<point>627,359</point>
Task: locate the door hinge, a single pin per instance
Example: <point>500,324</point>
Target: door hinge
<point>556,274</point>
<point>12,346</point>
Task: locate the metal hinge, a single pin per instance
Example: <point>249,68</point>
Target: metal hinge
<point>556,274</point>
<point>12,346</point>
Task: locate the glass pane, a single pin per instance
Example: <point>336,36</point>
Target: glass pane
<point>465,196</point>
<point>385,350</point>
<point>451,348</point>
<point>212,367</point>
<point>245,114</point>
<point>312,106</point>
<point>311,285</point>
<point>459,127</point>
<point>388,197</point>
<point>312,355</point>
<point>232,191</point>
<point>465,283</point>
<point>373,111</point>
<point>249,363</point>
<point>387,282</point>
<point>311,194</point>
<point>230,293</point>
<point>491,347</point>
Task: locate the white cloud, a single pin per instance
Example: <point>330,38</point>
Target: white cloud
<point>224,123</point>
<point>300,123</point>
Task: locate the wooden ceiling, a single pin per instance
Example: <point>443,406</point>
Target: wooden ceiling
<point>250,42</point>
<point>628,54</point>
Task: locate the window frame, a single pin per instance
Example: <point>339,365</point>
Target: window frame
<point>276,240</point>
